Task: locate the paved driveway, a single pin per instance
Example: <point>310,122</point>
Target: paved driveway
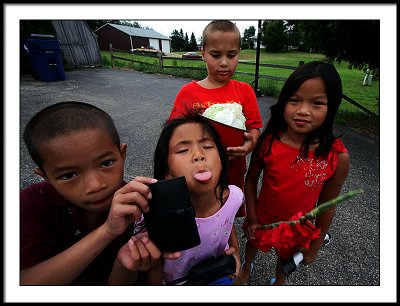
<point>140,103</point>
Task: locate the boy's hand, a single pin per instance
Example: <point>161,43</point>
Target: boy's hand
<point>139,254</point>
<point>128,204</point>
<point>246,148</point>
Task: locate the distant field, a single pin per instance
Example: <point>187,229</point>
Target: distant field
<point>352,80</point>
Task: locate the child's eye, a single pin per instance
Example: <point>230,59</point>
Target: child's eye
<point>181,151</point>
<point>232,55</point>
<point>320,103</point>
<point>107,163</point>
<point>293,100</point>
<point>209,146</point>
<point>68,176</point>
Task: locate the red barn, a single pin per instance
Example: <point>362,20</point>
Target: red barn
<point>128,38</point>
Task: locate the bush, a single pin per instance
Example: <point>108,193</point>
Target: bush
<point>106,61</point>
<point>269,89</point>
<point>245,45</point>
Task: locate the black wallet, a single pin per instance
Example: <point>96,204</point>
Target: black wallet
<point>170,221</point>
<point>211,269</point>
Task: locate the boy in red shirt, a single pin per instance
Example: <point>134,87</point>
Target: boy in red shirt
<point>221,48</point>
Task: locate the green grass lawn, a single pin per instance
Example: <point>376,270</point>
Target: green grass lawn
<point>352,79</point>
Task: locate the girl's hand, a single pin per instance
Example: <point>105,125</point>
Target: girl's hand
<point>128,204</point>
<point>309,255</point>
<point>139,253</point>
<point>171,255</point>
<point>233,251</point>
<point>251,230</point>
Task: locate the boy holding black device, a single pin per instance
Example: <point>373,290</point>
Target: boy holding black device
<point>75,222</point>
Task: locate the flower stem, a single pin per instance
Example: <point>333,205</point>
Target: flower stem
<point>327,205</point>
<point>318,210</point>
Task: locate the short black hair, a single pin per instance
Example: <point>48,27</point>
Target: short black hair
<point>61,119</point>
<point>219,25</point>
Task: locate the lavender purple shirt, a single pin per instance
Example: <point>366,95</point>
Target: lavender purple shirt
<point>214,233</point>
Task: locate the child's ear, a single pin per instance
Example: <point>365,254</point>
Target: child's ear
<point>39,172</point>
<point>122,149</point>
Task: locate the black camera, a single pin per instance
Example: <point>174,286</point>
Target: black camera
<point>290,265</point>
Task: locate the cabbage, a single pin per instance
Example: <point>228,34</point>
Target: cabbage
<point>227,113</point>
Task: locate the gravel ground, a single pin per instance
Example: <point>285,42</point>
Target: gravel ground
<point>140,103</point>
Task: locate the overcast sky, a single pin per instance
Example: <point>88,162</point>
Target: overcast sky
<point>166,27</point>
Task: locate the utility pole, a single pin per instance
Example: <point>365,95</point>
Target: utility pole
<point>257,91</point>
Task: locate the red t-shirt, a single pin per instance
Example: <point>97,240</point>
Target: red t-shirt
<point>291,184</point>
<point>49,225</point>
<point>194,97</point>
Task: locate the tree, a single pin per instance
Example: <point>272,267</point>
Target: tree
<point>193,43</point>
<point>177,41</point>
<point>274,36</point>
<point>95,24</point>
<point>293,32</point>
<point>354,41</point>
<point>28,27</point>
<point>248,36</point>
<point>186,42</point>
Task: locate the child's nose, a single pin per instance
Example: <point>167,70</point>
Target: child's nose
<point>94,183</point>
<point>199,157</point>
<point>303,109</point>
<point>224,62</point>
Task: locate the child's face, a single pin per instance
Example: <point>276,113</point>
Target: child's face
<point>221,55</point>
<point>194,154</point>
<point>306,109</point>
<point>85,167</point>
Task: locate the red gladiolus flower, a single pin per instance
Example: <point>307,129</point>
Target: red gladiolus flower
<point>287,237</point>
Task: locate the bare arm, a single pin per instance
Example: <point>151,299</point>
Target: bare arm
<point>330,190</point>
<point>64,268</point>
<point>234,248</point>
<point>250,191</point>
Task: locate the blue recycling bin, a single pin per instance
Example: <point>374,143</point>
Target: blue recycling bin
<point>45,56</point>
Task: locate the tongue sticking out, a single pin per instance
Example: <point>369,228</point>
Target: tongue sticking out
<point>203,176</point>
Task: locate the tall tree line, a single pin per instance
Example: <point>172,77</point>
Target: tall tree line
<point>353,41</point>
<point>181,42</point>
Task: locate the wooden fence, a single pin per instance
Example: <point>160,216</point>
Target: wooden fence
<point>161,66</point>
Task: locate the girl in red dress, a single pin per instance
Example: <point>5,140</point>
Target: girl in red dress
<point>302,163</point>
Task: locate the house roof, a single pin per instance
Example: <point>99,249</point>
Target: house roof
<point>139,32</point>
